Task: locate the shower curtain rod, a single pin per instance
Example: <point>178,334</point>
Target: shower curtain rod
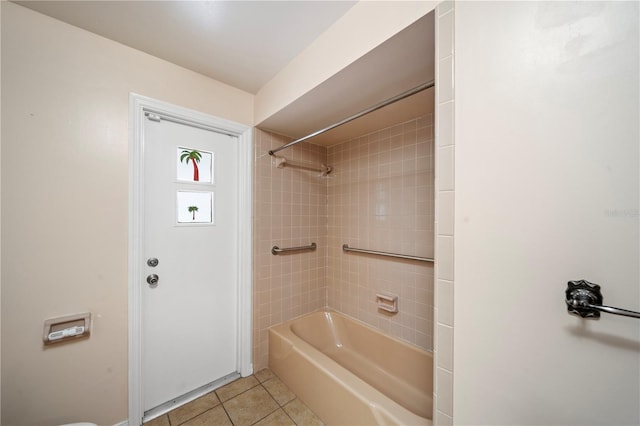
<point>376,107</point>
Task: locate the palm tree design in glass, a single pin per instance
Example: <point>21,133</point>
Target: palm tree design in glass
<point>195,157</point>
<point>193,210</point>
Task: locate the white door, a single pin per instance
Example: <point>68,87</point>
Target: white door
<point>189,317</point>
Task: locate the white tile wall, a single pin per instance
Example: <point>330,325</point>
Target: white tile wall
<point>445,256</point>
<point>445,124</point>
<point>445,209</point>
<point>445,346</point>
<point>444,292</point>
<point>446,169</point>
<point>444,389</point>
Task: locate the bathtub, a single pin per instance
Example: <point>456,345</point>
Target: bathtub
<point>351,374</point>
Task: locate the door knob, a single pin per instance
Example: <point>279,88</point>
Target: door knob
<point>152,280</point>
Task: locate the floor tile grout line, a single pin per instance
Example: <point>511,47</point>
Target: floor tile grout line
<point>199,414</point>
<point>211,408</point>
<point>245,391</point>
<point>227,413</point>
<point>235,396</point>
<point>224,408</point>
<point>274,400</point>
<point>187,420</point>
<point>287,414</point>
<point>273,396</point>
<point>261,419</point>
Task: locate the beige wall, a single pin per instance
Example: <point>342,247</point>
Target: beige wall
<point>546,191</point>
<point>290,210</point>
<point>380,197</point>
<point>0,222</point>
<point>65,95</point>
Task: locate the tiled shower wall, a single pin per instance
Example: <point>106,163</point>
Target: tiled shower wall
<point>290,209</point>
<point>380,197</point>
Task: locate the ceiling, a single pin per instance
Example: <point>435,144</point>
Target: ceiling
<point>246,43</point>
<point>241,43</point>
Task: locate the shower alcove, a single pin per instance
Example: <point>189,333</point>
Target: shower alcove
<point>378,195</point>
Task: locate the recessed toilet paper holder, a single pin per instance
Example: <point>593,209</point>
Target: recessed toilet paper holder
<point>67,328</point>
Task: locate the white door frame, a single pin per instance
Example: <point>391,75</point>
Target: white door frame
<point>137,106</point>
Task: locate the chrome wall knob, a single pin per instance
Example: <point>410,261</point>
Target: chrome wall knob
<point>152,280</point>
<point>585,299</point>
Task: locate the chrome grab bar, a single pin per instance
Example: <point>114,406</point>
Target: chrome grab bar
<point>277,250</point>
<point>346,247</point>
<point>282,162</point>
<point>585,299</point>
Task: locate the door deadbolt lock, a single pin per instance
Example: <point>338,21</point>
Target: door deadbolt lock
<point>152,280</point>
<point>153,262</point>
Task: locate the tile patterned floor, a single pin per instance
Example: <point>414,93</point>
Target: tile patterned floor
<point>261,399</point>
